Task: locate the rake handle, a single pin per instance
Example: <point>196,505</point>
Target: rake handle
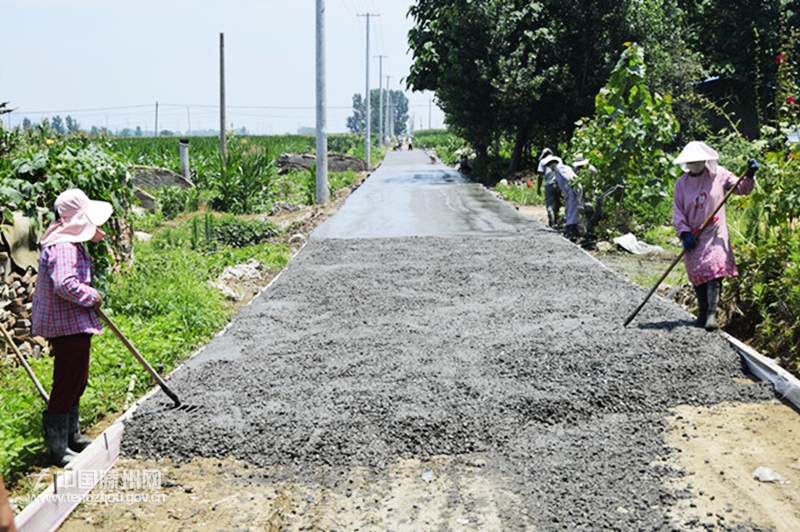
<point>25,365</point>
<point>139,357</point>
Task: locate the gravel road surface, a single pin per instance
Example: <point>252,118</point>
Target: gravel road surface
<point>426,319</point>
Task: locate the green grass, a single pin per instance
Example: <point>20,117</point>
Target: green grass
<point>520,193</point>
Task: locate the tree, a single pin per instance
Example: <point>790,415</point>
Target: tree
<point>522,71</point>
<point>138,132</point>
<point>514,69</point>
<point>398,106</point>
<point>26,124</point>
<point>628,139</point>
<point>58,125</point>
<point>72,125</point>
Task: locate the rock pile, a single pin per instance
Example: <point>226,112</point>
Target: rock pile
<point>16,293</point>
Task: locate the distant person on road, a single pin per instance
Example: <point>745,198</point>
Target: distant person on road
<point>6,512</point>
<point>64,312</point>
<point>565,179</point>
<point>552,194</point>
<point>464,165</point>
<point>709,256</point>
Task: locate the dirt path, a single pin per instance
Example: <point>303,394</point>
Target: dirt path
<point>396,384</point>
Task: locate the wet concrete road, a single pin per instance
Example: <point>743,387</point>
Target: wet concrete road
<point>409,196</point>
<point>427,320</point>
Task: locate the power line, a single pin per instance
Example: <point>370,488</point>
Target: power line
<point>89,110</point>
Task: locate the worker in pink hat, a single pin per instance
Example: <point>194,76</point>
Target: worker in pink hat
<point>708,257</point>
<point>64,312</point>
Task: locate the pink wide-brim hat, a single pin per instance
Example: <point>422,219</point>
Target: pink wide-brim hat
<point>79,218</point>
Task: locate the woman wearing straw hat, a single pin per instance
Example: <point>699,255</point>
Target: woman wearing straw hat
<point>552,195</point>
<point>565,178</point>
<point>63,312</point>
<point>709,257</point>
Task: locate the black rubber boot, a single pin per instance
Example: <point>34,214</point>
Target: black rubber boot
<point>56,430</point>
<point>714,289</point>
<point>701,291</point>
<point>77,442</point>
<point>551,218</point>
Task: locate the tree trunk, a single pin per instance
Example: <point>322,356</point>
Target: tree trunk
<point>520,141</point>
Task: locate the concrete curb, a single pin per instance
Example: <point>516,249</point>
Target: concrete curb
<point>786,385</point>
<point>70,487</point>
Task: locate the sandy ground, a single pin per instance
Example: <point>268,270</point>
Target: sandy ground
<point>471,444</point>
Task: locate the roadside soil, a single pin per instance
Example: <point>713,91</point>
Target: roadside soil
<point>716,450</point>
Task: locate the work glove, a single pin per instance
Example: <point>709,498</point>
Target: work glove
<point>689,241</point>
<point>752,166</point>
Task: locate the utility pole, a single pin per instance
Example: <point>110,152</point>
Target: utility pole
<point>389,130</point>
<point>222,142</point>
<point>429,113</point>
<point>189,120</point>
<point>367,125</point>
<point>156,132</point>
<point>322,133</point>
<point>381,135</point>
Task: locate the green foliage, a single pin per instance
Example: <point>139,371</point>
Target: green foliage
<point>340,180</point>
<point>21,408</point>
<point>521,72</point>
<point>627,141</point>
<point>233,231</point>
<point>40,168</point>
<point>43,165</point>
<point>246,180</point>
<point>447,146</point>
<point>210,232</point>
<point>520,193</point>
<point>172,200</point>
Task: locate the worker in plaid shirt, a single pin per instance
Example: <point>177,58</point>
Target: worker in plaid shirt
<point>64,312</point>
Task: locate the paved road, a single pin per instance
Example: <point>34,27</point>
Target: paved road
<point>429,321</point>
<point>409,196</point>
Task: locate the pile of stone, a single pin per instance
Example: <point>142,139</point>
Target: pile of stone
<point>16,293</point>
<point>337,162</point>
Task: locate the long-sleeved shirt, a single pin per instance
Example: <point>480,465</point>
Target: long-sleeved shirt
<point>695,199</point>
<point>64,296</point>
<point>565,174</point>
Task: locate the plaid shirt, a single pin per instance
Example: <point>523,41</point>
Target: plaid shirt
<point>64,297</point>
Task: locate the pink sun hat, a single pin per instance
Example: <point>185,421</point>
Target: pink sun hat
<point>78,218</point>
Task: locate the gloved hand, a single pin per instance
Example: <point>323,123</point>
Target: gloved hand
<point>752,166</point>
<point>689,241</point>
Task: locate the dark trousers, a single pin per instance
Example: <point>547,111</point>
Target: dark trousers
<point>70,371</point>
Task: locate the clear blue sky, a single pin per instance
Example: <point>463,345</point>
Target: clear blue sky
<point>106,62</point>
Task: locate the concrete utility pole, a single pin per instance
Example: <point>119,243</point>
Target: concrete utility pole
<point>223,149</point>
<point>381,136</point>
<point>367,124</point>
<point>389,130</point>
<point>322,133</point>
<point>156,132</point>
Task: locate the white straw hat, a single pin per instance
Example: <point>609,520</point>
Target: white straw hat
<point>579,161</point>
<point>696,152</point>
<point>549,159</point>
